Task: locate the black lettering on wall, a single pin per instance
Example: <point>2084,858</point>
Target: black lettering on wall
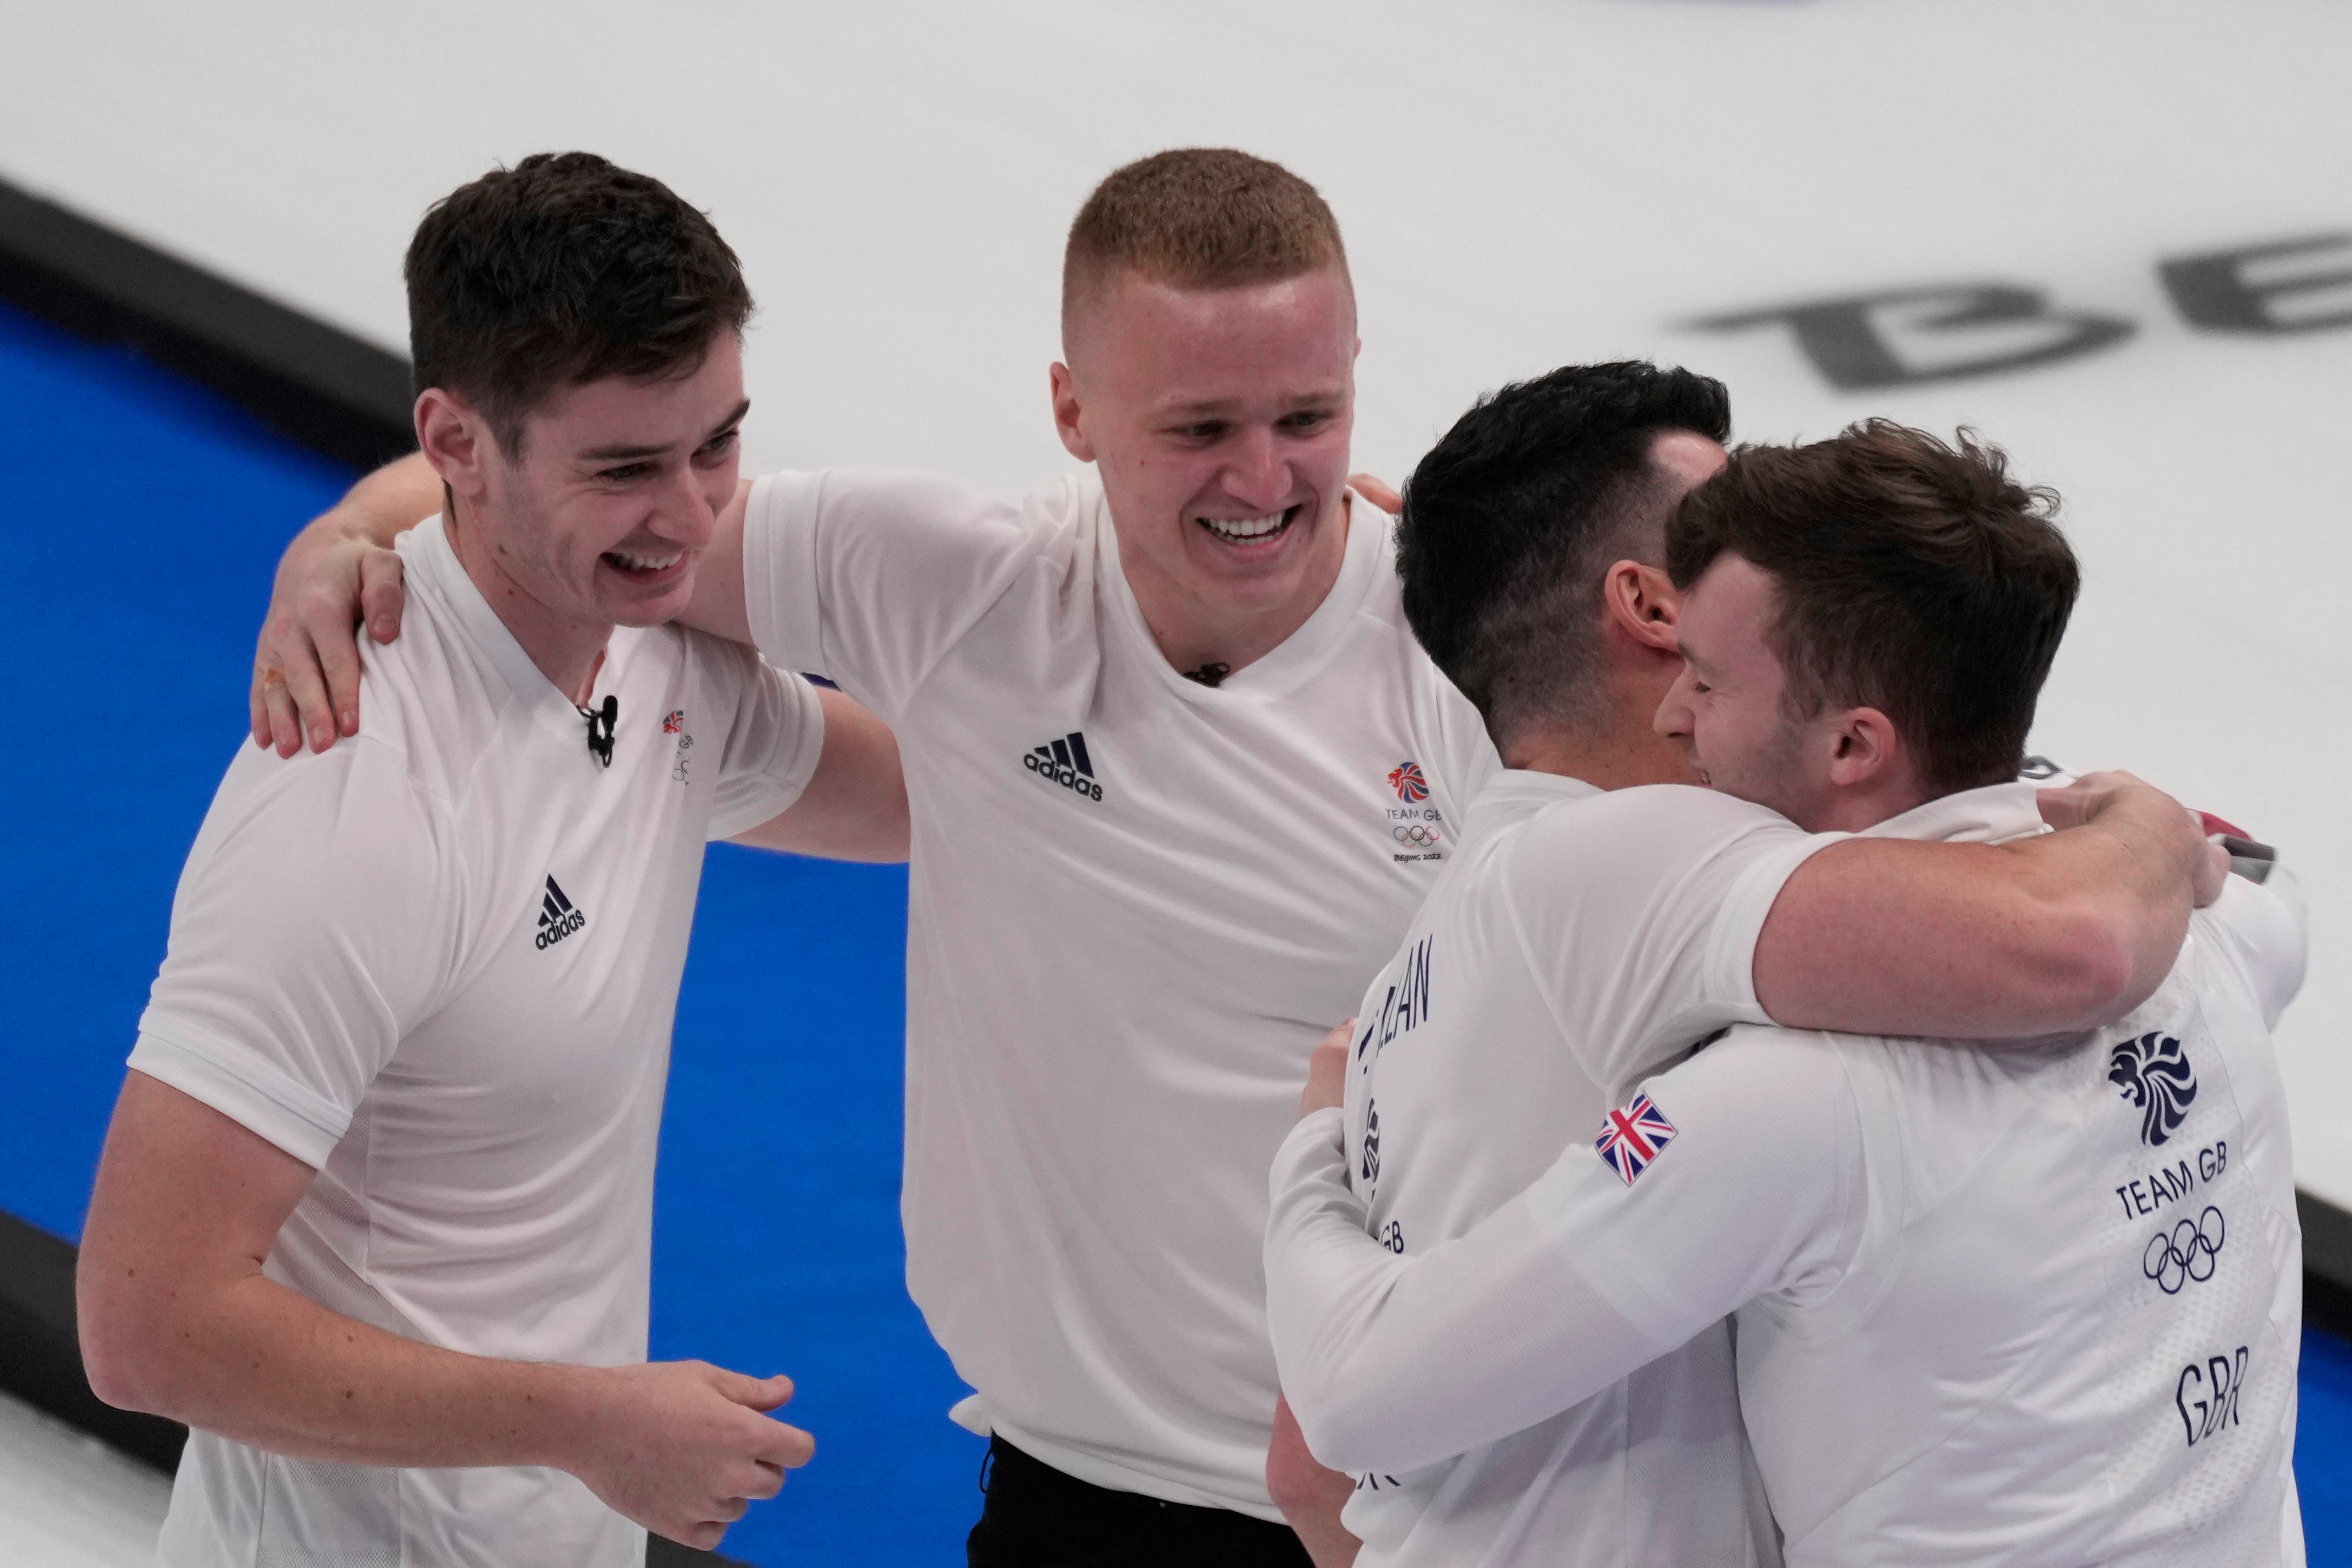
<point>1906,337</point>
<point>2243,289</point>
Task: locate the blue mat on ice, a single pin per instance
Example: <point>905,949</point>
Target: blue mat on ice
<point>144,516</point>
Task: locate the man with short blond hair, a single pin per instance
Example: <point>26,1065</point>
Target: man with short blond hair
<point>1200,217</point>
<point>1179,774</point>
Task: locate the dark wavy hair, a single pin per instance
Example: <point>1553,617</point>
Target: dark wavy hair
<point>562,270</point>
<point>1913,576</point>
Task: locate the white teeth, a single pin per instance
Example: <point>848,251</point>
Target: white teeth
<point>1244,527</point>
<point>645,562</point>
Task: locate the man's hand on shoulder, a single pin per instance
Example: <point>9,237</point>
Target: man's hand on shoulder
<point>339,570</point>
<point>1378,491</point>
<point>2114,796</point>
<point>683,1448</point>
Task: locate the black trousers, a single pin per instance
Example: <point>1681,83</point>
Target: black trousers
<point>1036,1517</point>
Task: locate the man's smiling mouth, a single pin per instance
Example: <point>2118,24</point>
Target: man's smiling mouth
<point>637,563</point>
<point>1249,530</point>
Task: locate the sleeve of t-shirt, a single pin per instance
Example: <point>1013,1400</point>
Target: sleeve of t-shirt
<point>774,735</point>
<point>1393,1361</point>
<point>1638,912</point>
<point>317,920</point>
<point>867,576</point>
<point>2265,933</point>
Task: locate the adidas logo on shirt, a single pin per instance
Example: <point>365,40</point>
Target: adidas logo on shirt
<point>557,918</point>
<point>1066,763</point>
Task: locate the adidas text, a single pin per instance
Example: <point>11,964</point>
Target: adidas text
<point>557,917</point>
<point>1066,762</point>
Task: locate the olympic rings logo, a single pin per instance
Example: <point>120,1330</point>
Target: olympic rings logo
<point>1415,834</point>
<point>2185,1252</point>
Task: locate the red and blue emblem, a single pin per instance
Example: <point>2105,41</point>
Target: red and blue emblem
<point>1632,1136</point>
<point>673,721</point>
<point>1406,780</point>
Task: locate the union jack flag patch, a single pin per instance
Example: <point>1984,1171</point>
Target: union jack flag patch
<point>1632,1136</point>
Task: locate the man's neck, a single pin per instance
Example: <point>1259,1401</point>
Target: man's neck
<point>1859,810</point>
<point>568,651</point>
<point>1612,756</point>
<point>1209,640</point>
<point>1616,745</point>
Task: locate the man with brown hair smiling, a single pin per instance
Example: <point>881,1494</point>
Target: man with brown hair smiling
<point>1179,774</point>
<point>375,1214</point>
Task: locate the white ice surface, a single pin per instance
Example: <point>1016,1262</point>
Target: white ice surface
<point>67,1501</point>
<point>1523,183</point>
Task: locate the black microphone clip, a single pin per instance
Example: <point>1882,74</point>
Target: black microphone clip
<point>599,728</point>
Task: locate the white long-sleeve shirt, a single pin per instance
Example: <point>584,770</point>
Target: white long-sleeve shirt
<point>1635,911</point>
<point>2037,1304</point>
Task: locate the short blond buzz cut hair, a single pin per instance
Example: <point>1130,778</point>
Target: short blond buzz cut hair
<point>1198,218</point>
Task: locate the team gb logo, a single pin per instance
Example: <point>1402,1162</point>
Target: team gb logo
<point>2154,1074</point>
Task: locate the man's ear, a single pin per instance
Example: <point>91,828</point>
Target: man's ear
<point>455,439</point>
<point>1643,604</point>
<point>1864,745</point>
<point>1066,413</point>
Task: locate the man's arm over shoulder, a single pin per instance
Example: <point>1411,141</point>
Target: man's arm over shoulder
<point>2063,931</point>
<point>1684,910</point>
<point>1734,1178</point>
<point>863,576</point>
<point>339,572</point>
<point>870,575</point>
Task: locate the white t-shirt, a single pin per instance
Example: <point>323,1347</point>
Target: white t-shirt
<point>1135,903</point>
<point>2037,1304</point>
<point>439,963</point>
<point>1578,940</point>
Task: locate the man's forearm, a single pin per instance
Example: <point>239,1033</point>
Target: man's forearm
<point>2057,933</point>
<point>1311,1496</point>
<point>256,1363</point>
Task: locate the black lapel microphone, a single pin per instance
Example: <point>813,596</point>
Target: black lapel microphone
<point>599,728</point>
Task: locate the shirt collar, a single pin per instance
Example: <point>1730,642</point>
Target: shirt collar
<point>1988,815</point>
<point>432,568</point>
<point>1369,549</point>
<point>1518,792</point>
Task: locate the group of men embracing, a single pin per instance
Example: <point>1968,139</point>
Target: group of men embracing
<point>1772,1126</point>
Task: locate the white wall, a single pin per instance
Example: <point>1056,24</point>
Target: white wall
<point>1522,184</point>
